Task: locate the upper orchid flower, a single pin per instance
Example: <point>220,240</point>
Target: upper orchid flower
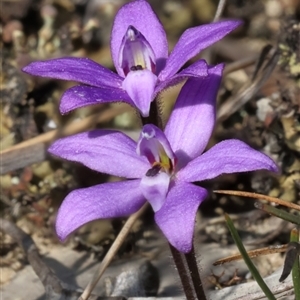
<point>162,166</point>
<point>139,51</point>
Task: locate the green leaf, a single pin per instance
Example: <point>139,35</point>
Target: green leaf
<point>247,259</point>
<point>282,214</point>
<point>295,234</point>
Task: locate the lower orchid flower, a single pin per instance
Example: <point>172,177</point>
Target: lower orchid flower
<point>161,166</point>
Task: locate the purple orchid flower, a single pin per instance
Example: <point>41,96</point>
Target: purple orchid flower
<point>161,166</point>
<point>140,54</point>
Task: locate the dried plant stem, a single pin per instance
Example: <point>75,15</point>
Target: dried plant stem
<point>246,92</point>
<point>221,5</point>
<point>240,64</point>
<point>260,197</point>
<point>219,10</point>
<point>252,254</point>
<point>111,252</point>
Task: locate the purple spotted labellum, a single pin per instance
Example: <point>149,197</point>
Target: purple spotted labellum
<point>161,166</point>
<point>139,51</point>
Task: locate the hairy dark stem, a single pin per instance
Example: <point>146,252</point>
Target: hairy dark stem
<point>183,274</point>
<point>195,275</point>
<point>154,115</point>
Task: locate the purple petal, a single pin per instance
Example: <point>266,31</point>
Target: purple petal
<point>105,151</point>
<point>229,156</point>
<point>81,70</point>
<point>140,15</point>
<point>194,40</point>
<point>140,85</point>
<point>192,120</point>
<point>80,96</point>
<point>177,216</point>
<point>155,189</point>
<point>197,69</point>
<point>109,200</point>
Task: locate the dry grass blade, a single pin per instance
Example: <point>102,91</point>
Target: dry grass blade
<point>111,252</point>
<point>240,64</point>
<point>260,62</point>
<point>252,254</point>
<point>251,88</point>
<point>220,9</point>
<point>259,197</point>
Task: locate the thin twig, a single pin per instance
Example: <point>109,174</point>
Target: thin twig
<point>240,64</point>
<point>248,90</point>
<point>252,254</point>
<point>111,252</point>
<point>260,197</point>
<point>208,54</point>
<point>219,11</point>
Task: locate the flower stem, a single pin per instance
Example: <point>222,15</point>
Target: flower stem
<point>183,274</point>
<point>154,115</point>
<point>195,275</point>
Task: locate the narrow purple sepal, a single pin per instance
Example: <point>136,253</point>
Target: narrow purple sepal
<point>177,216</point>
<point>229,156</point>
<point>81,70</point>
<point>194,40</point>
<point>140,15</point>
<point>197,69</point>
<point>80,96</point>
<point>192,121</point>
<point>140,86</point>
<point>109,200</point>
<point>105,151</point>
